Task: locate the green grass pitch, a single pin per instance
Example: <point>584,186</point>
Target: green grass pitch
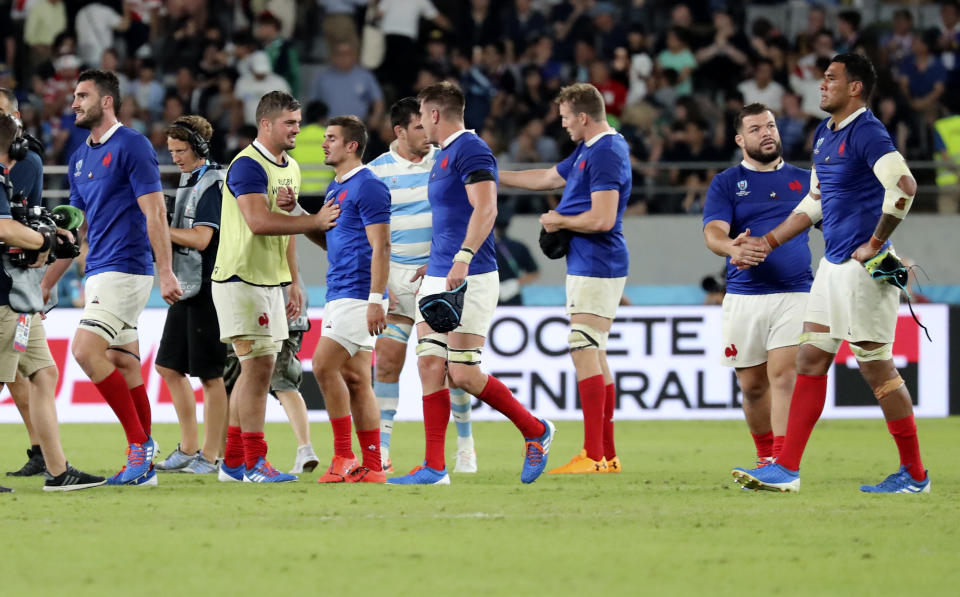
<point>672,523</point>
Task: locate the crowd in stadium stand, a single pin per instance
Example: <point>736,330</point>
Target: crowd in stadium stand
<point>673,75</point>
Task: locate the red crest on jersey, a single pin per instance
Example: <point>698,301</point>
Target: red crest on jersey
<point>583,164</point>
<point>730,351</point>
<point>107,159</point>
<point>342,196</point>
<point>443,164</point>
<point>795,186</point>
<point>843,146</point>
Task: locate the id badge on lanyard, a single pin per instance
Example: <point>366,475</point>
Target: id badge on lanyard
<point>22,337</point>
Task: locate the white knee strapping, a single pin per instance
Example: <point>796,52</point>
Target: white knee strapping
<point>884,353</point>
<point>432,345</point>
<point>464,356</point>
<point>397,331</point>
<point>821,340</point>
<point>261,346</point>
<point>583,336</point>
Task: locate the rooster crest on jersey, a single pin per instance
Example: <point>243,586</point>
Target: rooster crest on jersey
<point>263,320</point>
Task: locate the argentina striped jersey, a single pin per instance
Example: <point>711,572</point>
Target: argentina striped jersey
<point>411,222</point>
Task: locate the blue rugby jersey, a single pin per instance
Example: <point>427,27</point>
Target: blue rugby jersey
<point>747,198</point>
<point>411,220</point>
<point>463,154</point>
<point>105,181</point>
<point>851,194</point>
<point>364,201</point>
<point>599,164</point>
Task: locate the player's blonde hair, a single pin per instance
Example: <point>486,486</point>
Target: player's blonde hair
<point>585,98</point>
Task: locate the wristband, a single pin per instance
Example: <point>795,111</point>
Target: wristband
<point>464,255</point>
<point>376,298</point>
<point>875,243</point>
<point>298,211</point>
<point>771,240</point>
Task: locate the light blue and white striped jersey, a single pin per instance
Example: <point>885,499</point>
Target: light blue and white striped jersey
<point>411,222</point>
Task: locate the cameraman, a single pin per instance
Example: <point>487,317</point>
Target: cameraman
<point>23,346</point>
<point>190,344</point>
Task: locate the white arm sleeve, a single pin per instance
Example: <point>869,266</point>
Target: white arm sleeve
<point>889,169</point>
<point>810,204</point>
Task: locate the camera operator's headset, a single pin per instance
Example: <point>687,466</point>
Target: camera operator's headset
<point>200,145</point>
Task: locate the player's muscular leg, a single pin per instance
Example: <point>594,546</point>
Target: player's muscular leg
<point>587,362</point>
<point>214,417</point>
<point>90,352</point>
<point>756,397</point>
<point>126,359</point>
<point>20,392</point>
<point>782,373</point>
<point>185,404</point>
<point>810,359</point>
<point>885,381</point>
<point>432,369</point>
<point>469,378</point>
<point>363,402</point>
<point>250,391</point>
<point>43,412</point>
<point>328,360</point>
<point>391,353</point>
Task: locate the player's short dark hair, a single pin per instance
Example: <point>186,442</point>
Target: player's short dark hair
<point>8,131</point>
<point>353,130</point>
<point>859,68</point>
<point>403,111</point>
<point>11,98</point>
<point>585,98</point>
<point>106,83</point>
<point>448,98</point>
<point>748,110</point>
<point>274,103</point>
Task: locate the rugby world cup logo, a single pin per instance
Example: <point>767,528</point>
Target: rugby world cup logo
<point>79,167</point>
<point>742,185</point>
<point>816,150</point>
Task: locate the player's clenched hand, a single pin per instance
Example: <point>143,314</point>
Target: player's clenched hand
<point>327,216</point>
<point>457,274</point>
<point>170,287</point>
<point>550,221</point>
<point>294,301</point>
<point>286,198</point>
<point>376,319</point>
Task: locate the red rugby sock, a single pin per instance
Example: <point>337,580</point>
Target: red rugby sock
<point>233,452</point>
<point>114,390</point>
<point>904,432</point>
<point>806,405</point>
<point>342,442</point>
<point>778,445</point>
<point>436,417</point>
<point>592,399</point>
<point>501,398</point>
<point>254,447</point>
<point>610,405</point>
<point>370,448</point>
<point>764,444</point>
<point>142,403</point>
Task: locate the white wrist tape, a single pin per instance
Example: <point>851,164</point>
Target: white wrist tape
<point>889,169</point>
<point>377,298</point>
<point>810,205</point>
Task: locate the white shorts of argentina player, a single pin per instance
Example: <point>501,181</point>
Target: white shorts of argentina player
<point>483,292</point>
<point>754,324</point>
<point>113,302</point>
<point>403,292</point>
<point>345,322</point>
<point>594,296</point>
<point>853,305</point>
<point>252,318</point>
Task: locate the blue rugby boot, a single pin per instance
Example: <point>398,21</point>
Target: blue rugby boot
<point>899,482</point>
<point>264,472</point>
<point>139,461</point>
<point>537,449</point>
<point>769,477</point>
<point>422,475</point>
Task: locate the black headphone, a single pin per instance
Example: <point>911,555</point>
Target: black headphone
<point>200,145</point>
<point>18,147</point>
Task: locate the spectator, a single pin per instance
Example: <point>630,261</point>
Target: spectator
<point>721,63</point>
<point>478,26</point>
<point>614,92</point>
<point>283,56</point>
<point>899,43</point>
<point>129,115</point>
<point>147,90</point>
<point>762,89</point>
<point>821,47</point>
<point>691,146</point>
<point>609,30</point>
<point>400,23</point>
<point>348,88</point>
<point>45,20</point>
<point>185,88</point>
<point>678,57</point>
<point>522,26</point>
<point>923,77</point>
<point>792,124</point>
<point>340,21</point>
<point>848,31</point>
<point>262,80</point>
<point>551,69</point>
<point>95,24</point>
<point>808,88</point>
<point>109,60</point>
<point>532,146</point>
<point>816,22</point>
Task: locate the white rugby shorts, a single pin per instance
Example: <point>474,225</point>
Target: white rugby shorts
<point>754,324</point>
<point>853,305</point>
<point>483,292</point>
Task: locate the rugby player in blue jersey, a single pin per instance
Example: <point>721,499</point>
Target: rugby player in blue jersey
<point>115,180</point>
<point>864,189</point>
<point>763,307</point>
<point>596,180</point>
<point>463,197</point>
<point>358,250</point>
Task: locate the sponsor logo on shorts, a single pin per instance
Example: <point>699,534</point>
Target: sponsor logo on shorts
<point>730,351</point>
<point>263,320</point>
